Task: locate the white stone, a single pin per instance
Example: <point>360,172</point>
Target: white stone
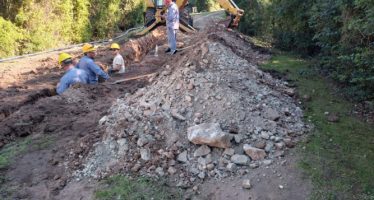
<point>145,154</point>
<point>246,184</point>
<point>210,134</point>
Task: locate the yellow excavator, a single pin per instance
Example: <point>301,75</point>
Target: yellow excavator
<point>155,8</point>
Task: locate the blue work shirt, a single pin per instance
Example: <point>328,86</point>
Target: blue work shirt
<point>93,71</point>
<point>71,77</point>
<point>172,17</point>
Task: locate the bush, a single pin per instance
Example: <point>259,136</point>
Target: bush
<point>10,38</point>
<point>44,24</point>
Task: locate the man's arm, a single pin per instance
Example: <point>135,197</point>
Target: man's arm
<point>62,86</point>
<point>97,70</point>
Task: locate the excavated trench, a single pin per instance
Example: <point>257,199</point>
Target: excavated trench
<point>92,129</point>
<point>30,107</point>
<point>23,86</point>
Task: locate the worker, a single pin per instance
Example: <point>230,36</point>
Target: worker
<point>118,62</point>
<point>87,64</point>
<point>172,24</point>
<point>72,75</point>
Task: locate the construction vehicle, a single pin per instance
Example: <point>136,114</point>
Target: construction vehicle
<point>155,8</point>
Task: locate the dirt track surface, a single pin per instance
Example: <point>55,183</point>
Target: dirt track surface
<point>74,126</point>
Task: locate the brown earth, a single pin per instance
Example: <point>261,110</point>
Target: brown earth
<point>63,129</point>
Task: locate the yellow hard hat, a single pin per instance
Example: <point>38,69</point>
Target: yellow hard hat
<point>88,48</point>
<point>63,56</point>
<point>115,46</point>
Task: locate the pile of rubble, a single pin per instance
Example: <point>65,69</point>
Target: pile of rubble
<point>208,114</point>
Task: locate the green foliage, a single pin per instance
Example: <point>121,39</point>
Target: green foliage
<point>338,156</point>
<point>43,24</point>
<point>205,5</point>
<point>10,38</point>
<point>339,33</point>
<point>122,187</point>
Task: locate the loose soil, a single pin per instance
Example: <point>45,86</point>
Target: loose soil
<point>72,122</point>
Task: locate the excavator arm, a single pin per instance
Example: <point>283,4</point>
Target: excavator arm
<point>233,9</point>
<point>155,8</point>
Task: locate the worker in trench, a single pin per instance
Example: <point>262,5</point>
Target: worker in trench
<point>72,74</point>
<point>118,62</point>
<point>172,25</point>
<point>88,64</point>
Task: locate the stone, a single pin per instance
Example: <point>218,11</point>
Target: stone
<point>229,151</point>
<point>174,113</point>
<point>260,144</point>
<point>202,151</point>
<point>254,165</point>
<point>254,153</point>
<point>160,171</point>
<point>240,159</point>
<point>210,134</point>
<point>136,167</point>
<point>269,146</point>
<point>290,92</point>
<point>201,175</point>
<point>182,157</point>
<point>279,145</point>
<point>233,128</point>
<point>265,135</point>
<point>190,86</point>
<point>231,167</point>
<point>142,141</point>
<point>238,138</point>
<point>210,166</point>
<point>267,162</point>
<point>145,154</point>
<point>246,184</point>
<point>271,114</point>
<point>289,143</point>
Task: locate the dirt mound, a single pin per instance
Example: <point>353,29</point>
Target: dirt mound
<point>206,84</point>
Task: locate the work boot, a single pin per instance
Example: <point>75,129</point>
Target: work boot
<point>168,50</point>
<point>173,52</point>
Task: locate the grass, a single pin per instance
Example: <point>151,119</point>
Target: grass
<point>122,187</point>
<point>10,151</point>
<point>339,157</point>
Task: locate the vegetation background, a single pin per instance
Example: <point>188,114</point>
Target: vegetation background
<point>338,33</point>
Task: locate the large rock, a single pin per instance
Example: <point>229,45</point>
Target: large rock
<point>254,153</point>
<point>210,134</point>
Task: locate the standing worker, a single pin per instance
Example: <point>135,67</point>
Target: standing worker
<point>118,62</point>
<point>172,24</point>
<point>87,64</point>
<point>72,75</point>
